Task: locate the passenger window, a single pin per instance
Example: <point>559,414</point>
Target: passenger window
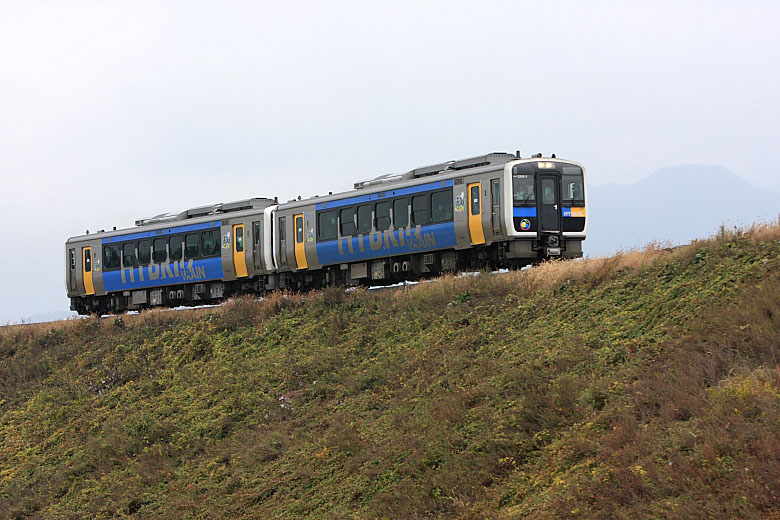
<point>209,242</point>
<point>87,260</point>
<point>128,255</point>
<point>144,252</point>
<point>111,256</point>
<point>420,208</point>
<point>364,219</point>
<point>160,254</point>
<point>475,200</point>
<point>72,259</point>
<point>400,213</point>
<point>382,215</point>
<point>191,246</point>
<point>441,203</point>
<point>176,247</point>
<point>327,225</point>
<point>239,239</point>
<point>347,216</point>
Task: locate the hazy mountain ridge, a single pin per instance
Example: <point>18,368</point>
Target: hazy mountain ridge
<point>676,204</point>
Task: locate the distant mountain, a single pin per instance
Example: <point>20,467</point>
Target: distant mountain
<point>676,204</point>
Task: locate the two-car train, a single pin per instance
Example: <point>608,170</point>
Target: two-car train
<point>497,209</point>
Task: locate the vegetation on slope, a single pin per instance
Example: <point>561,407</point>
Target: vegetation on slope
<point>643,385</point>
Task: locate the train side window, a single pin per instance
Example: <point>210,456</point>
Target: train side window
<point>209,242</point>
<point>420,209</point>
<point>441,206</point>
<point>176,247</point>
<point>87,260</point>
<point>72,253</point>
<point>111,256</point>
<point>382,215</point>
<point>144,252</point>
<point>364,219</point>
<point>475,200</point>
<point>400,213</point>
<point>299,230</point>
<point>128,255</point>
<point>495,186</point>
<point>160,254</point>
<point>239,239</point>
<point>347,217</point>
<point>190,246</point>
<point>256,234</point>
<point>327,225</point>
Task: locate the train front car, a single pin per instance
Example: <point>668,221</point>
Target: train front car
<point>545,204</point>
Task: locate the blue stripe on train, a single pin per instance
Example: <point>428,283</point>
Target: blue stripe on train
<point>390,193</point>
<point>524,212</point>
<point>163,274</point>
<point>387,243</point>
<point>161,232</point>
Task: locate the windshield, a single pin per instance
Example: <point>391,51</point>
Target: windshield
<point>523,189</point>
<point>572,187</point>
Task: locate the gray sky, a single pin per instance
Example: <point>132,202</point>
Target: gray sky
<point>110,112</point>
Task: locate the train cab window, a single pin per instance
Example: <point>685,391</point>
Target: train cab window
<point>128,255</point>
<point>400,213</point>
<point>327,225</point>
<point>420,210</point>
<point>548,191</point>
<point>382,215</point>
<point>176,248</point>
<point>282,229</point>
<point>191,246</point>
<point>144,252</point>
<point>347,218</point>
<point>572,187</point>
<point>72,253</point>
<point>160,254</point>
<point>495,188</point>
<point>111,256</point>
<point>209,242</point>
<point>523,189</point>
<point>87,260</point>
<point>441,206</point>
<point>364,219</point>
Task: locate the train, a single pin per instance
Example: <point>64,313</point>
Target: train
<point>497,209</point>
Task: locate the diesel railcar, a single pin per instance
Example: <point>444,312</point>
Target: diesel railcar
<point>496,209</point>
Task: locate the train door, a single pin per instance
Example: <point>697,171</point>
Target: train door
<point>257,249</point>
<point>300,251</point>
<point>71,270</point>
<point>86,270</point>
<point>495,199</point>
<point>548,203</point>
<point>283,241</point>
<point>239,251</point>
<point>475,214</point>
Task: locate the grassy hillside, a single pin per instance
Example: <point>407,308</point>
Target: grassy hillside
<point>645,385</point>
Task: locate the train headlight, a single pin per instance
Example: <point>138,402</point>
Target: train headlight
<point>544,165</point>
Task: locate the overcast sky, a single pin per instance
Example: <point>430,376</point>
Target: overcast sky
<point>110,112</point>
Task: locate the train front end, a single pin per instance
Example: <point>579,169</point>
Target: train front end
<point>548,212</point>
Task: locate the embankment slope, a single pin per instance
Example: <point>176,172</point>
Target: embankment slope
<point>642,385</point>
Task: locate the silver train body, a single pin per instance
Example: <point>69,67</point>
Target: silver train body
<point>493,210</point>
